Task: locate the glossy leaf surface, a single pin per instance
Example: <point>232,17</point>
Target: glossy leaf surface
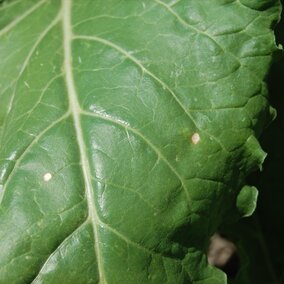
<point>127,129</point>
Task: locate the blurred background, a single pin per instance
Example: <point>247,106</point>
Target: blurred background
<point>260,239</point>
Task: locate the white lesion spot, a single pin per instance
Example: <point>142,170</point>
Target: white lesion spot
<point>195,138</point>
<point>47,177</point>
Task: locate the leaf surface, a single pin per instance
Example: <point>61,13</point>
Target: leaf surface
<point>260,238</point>
<point>127,129</point>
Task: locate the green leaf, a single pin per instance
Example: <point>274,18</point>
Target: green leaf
<point>260,238</point>
<point>127,129</point>
<point>246,200</point>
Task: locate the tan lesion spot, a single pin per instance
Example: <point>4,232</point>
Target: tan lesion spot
<point>47,177</point>
<point>195,138</point>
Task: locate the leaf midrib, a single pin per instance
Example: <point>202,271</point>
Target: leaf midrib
<point>75,110</point>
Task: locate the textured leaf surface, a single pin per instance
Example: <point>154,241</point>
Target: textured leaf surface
<point>260,238</point>
<point>127,129</point>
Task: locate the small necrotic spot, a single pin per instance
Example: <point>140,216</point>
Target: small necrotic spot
<point>195,138</point>
<point>47,177</point>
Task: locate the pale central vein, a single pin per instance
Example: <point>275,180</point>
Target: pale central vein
<point>75,110</point>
